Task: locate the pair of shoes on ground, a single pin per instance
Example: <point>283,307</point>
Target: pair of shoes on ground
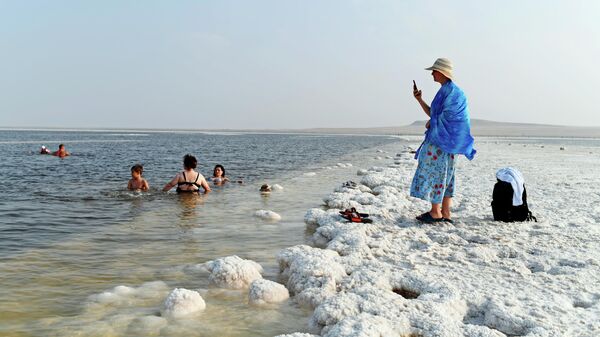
<point>427,218</point>
<point>352,215</point>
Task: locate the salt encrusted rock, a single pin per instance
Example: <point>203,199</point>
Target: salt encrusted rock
<point>511,320</point>
<point>319,217</point>
<point>362,172</point>
<point>267,215</point>
<point>182,302</point>
<point>352,241</point>
<point>366,325</point>
<point>120,294</point>
<point>364,189</point>
<point>341,200</point>
<point>311,274</point>
<point>232,272</point>
<point>266,292</point>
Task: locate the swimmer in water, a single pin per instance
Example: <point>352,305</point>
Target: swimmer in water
<point>189,180</point>
<point>137,183</point>
<point>44,150</point>
<point>219,177</point>
<point>62,152</point>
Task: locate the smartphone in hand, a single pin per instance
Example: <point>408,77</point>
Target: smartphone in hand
<point>415,86</point>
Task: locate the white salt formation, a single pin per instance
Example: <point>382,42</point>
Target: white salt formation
<point>473,278</point>
<point>267,215</point>
<point>182,302</point>
<point>232,272</point>
<point>266,292</point>
<point>120,295</point>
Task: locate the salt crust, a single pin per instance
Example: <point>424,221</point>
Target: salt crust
<point>266,292</point>
<point>267,215</point>
<point>124,294</point>
<point>182,302</point>
<point>233,272</point>
<point>398,277</point>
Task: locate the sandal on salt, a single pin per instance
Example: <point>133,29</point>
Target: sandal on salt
<point>427,218</point>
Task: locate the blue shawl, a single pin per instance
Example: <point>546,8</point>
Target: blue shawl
<point>450,125</point>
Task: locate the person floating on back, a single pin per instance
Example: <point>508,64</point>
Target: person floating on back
<point>448,135</point>
<point>188,181</point>
<point>62,152</point>
<point>137,183</point>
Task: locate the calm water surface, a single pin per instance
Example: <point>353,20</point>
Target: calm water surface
<point>69,230</point>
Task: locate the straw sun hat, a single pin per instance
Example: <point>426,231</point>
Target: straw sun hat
<point>443,65</point>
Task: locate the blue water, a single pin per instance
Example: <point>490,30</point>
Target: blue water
<point>44,198</point>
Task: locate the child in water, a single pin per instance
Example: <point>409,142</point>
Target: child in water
<point>137,183</point>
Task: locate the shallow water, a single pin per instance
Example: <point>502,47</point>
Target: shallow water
<point>69,230</point>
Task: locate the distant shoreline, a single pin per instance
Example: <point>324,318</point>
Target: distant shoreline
<point>478,128</point>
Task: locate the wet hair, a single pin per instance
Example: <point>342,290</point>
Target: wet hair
<point>215,170</point>
<point>189,161</point>
<point>137,168</point>
<point>61,146</point>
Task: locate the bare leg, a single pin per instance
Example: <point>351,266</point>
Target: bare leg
<point>436,210</point>
<point>446,205</point>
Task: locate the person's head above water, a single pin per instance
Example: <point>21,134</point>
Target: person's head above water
<point>189,162</point>
<point>137,168</point>
<point>61,146</point>
<point>219,171</point>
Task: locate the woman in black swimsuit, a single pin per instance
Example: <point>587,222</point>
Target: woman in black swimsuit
<point>188,181</point>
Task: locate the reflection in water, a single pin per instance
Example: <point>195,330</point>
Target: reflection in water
<point>187,206</point>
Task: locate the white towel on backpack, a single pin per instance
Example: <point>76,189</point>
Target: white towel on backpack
<point>515,178</point>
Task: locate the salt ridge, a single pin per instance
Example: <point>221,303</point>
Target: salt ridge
<point>398,277</point>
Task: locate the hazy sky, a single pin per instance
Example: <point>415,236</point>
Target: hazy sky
<point>292,64</point>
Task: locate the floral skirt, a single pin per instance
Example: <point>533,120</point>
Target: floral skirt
<point>434,178</point>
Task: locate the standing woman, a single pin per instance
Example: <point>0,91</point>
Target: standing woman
<point>188,181</point>
<point>448,135</point>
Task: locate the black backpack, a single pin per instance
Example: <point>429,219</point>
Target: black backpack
<point>503,208</point>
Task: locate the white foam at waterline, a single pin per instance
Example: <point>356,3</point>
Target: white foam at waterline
<point>267,215</point>
<point>277,187</point>
<point>182,302</point>
<point>267,292</point>
<point>232,272</point>
<point>310,174</point>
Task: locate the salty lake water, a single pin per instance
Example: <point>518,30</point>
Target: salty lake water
<point>70,231</point>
